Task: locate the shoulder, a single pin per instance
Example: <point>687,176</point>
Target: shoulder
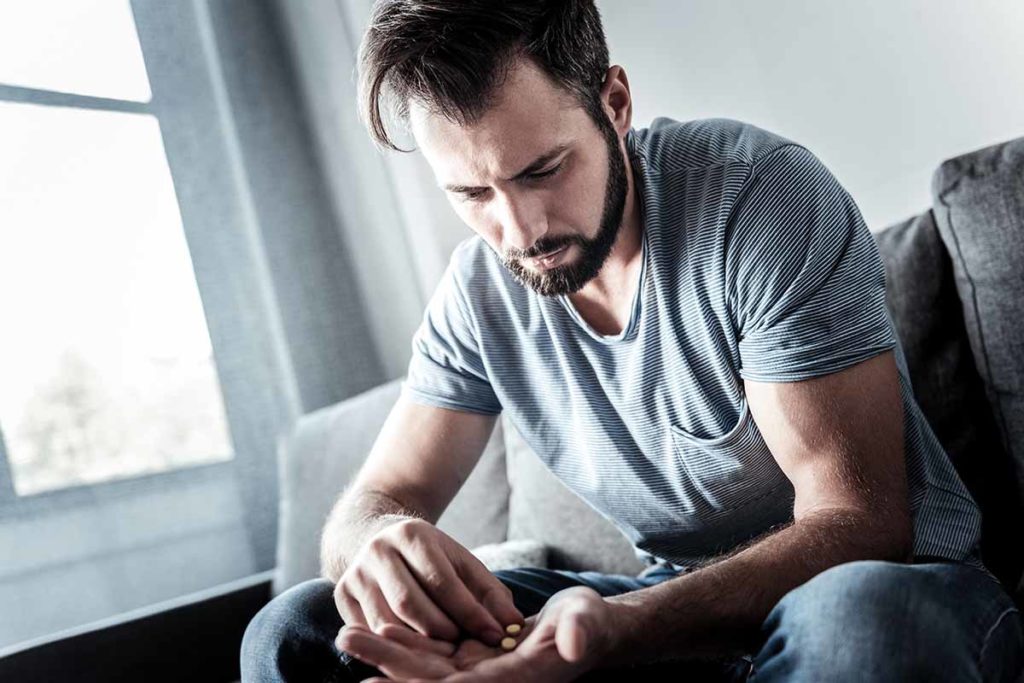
<point>668,145</point>
<point>794,228</point>
<point>790,190</point>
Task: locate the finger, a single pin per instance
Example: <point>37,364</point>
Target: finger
<point>378,612</point>
<point>417,641</point>
<point>347,627</point>
<point>489,589</point>
<point>393,659</point>
<point>571,639</point>
<point>349,609</point>
<point>575,630</point>
<point>447,589</point>
<point>408,601</point>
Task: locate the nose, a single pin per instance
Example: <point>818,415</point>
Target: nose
<point>522,219</point>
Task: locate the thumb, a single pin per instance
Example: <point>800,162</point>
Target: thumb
<point>493,594</point>
<point>572,638</point>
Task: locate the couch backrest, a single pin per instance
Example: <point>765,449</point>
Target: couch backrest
<point>956,293</point>
<point>978,200</point>
<point>926,309</point>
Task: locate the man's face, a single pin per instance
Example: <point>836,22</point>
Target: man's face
<point>535,177</point>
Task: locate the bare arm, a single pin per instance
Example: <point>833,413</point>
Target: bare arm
<point>418,463</point>
<point>390,565</point>
<point>839,439</point>
<point>356,517</point>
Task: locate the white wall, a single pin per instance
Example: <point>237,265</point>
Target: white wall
<point>881,90</point>
<point>377,228</point>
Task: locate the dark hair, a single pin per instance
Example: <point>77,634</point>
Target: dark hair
<point>450,56</point>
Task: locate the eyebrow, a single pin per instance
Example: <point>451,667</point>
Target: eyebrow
<point>534,166</point>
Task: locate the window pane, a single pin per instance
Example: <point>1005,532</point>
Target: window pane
<point>105,358</point>
<point>88,47</point>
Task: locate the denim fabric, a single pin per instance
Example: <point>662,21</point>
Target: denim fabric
<point>862,621</point>
<point>881,621</point>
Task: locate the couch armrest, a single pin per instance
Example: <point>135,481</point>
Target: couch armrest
<point>193,638</point>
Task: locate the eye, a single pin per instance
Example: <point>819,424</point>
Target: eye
<point>473,195</point>
<point>546,174</point>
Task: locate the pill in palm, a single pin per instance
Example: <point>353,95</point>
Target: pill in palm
<point>513,629</point>
<point>508,643</point>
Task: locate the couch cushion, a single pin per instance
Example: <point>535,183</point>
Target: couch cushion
<point>926,310</point>
<point>513,554</point>
<point>543,509</point>
<point>979,211</point>
<point>321,456</point>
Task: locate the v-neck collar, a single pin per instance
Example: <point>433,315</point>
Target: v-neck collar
<point>629,330</point>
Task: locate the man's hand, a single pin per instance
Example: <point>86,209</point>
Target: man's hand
<point>565,640</point>
<point>413,574</point>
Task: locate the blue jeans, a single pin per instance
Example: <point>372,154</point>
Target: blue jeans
<point>861,621</point>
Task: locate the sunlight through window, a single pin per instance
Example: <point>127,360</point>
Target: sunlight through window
<point>106,368</point>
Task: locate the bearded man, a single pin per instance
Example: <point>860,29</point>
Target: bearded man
<point>687,324</point>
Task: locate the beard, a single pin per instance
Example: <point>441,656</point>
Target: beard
<point>570,278</point>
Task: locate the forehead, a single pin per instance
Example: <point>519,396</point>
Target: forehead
<point>529,115</point>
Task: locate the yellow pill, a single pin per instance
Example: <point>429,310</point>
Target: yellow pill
<point>508,643</point>
<point>513,629</point>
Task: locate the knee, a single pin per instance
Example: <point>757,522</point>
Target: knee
<point>841,600</point>
<point>849,617</point>
<point>301,615</point>
<point>849,591</point>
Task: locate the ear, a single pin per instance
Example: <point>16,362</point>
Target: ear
<point>617,100</point>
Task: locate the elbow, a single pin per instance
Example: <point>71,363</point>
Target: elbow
<point>905,544</point>
<point>874,535</point>
<point>897,538</point>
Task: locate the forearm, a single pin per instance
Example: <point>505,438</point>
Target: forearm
<point>355,518</point>
<point>718,610</point>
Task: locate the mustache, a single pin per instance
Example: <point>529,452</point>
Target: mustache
<point>545,245</point>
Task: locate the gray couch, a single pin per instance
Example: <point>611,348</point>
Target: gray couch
<point>956,292</point>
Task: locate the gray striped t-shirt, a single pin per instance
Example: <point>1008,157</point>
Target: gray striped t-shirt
<point>757,264</point>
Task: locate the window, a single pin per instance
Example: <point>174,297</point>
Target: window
<point>138,346</point>
<point>106,359</point>
<point>87,47</point>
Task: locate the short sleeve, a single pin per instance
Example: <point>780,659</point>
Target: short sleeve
<point>446,369</point>
<point>805,282</point>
